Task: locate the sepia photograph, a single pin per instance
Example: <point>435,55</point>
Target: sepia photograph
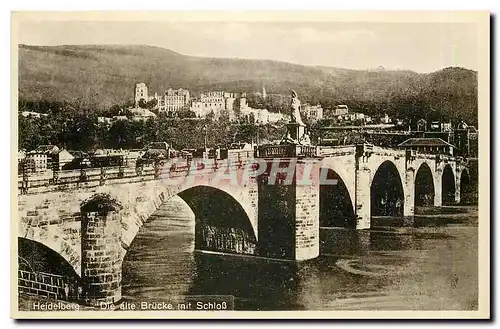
<point>243,164</point>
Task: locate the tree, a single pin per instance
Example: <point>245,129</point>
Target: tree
<point>29,133</point>
<point>186,113</point>
<point>142,103</point>
<point>151,104</point>
<point>114,110</point>
<point>251,118</point>
<point>83,132</point>
<point>119,135</point>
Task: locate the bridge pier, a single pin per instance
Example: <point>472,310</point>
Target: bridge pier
<point>438,188</point>
<point>289,209</point>
<point>457,187</point>
<point>363,198</point>
<point>101,254</point>
<point>363,180</point>
<point>409,191</point>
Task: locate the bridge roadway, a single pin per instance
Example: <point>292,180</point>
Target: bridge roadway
<point>256,213</point>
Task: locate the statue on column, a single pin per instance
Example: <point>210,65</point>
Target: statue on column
<point>295,115</point>
<point>296,128</point>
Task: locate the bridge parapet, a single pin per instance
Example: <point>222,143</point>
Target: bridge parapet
<point>389,152</point>
<point>94,177</point>
<point>287,151</point>
<point>331,151</point>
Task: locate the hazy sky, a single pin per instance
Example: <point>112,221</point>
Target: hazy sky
<point>421,47</point>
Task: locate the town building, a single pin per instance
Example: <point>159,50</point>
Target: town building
<point>341,110</point>
<point>466,140</point>
<point>56,158</point>
<point>216,102</point>
<point>336,112</point>
<point>120,118</point>
<point>172,101</point>
<point>52,152</point>
<point>446,126</point>
<point>385,119</point>
<point>438,125</point>
<point>258,116</point>
<point>437,129</point>
<point>31,114</point>
<point>355,116</point>
<point>428,145</point>
<point>63,157</point>
<point>139,114</point>
<point>422,125</point>
<point>104,120</point>
<point>277,117</point>
<point>35,162</point>
<point>21,154</point>
<point>42,158</point>
<point>313,112</point>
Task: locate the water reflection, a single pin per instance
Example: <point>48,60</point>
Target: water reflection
<point>400,268</point>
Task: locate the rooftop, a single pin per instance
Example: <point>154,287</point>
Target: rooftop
<point>49,149</point>
<point>425,142</point>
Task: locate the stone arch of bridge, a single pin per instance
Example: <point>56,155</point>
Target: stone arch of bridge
<point>34,256</point>
<point>54,242</point>
<point>387,191</point>
<point>466,185</point>
<point>346,173</point>
<point>425,185</point>
<point>375,161</point>
<point>336,199</point>
<point>448,185</point>
<point>220,210</point>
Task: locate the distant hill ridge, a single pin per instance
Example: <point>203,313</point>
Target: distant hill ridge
<point>106,75</point>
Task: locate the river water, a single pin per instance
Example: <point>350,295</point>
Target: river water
<point>431,267</point>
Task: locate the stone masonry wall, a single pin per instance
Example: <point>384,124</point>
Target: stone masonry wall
<point>101,258</point>
<point>307,212</point>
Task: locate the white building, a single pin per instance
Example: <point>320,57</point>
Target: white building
<point>262,116</point>
<point>36,161</point>
<point>33,114</point>
<point>104,120</point>
<point>21,154</point>
<point>217,102</point>
<point>356,116</point>
<point>313,112</point>
<point>277,116</point>
<point>385,119</point>
<point>119,118</point>
<point>172,101</point>
<point>139,114</point>
<point>141,92</point>
<point>338,111</point>
<point>64,157</point>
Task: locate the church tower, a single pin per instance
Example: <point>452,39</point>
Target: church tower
<point>264,95</point>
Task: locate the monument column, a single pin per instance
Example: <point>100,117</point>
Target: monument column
<point>288,192</point>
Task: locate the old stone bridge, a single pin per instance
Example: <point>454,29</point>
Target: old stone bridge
<point>271,205</point>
